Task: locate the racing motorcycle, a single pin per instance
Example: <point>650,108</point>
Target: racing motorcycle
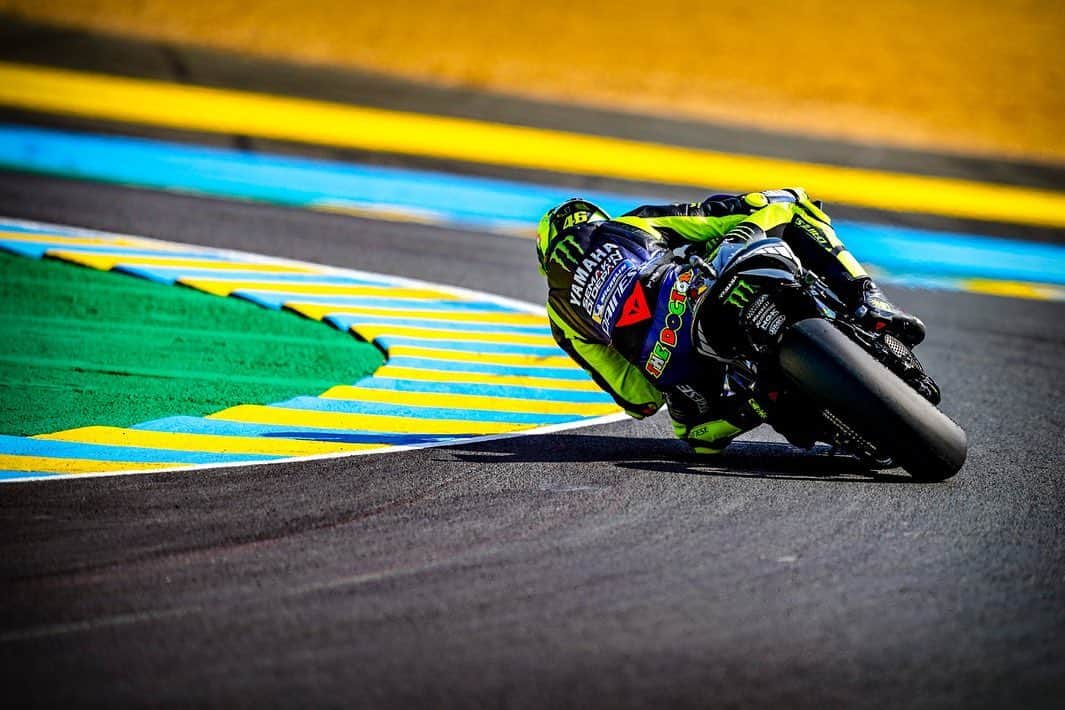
<point>815,371</point>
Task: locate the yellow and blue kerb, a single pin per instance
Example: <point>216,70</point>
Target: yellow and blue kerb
<point>460,366</point>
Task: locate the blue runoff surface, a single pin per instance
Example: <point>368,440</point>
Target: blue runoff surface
<point>457,200</point>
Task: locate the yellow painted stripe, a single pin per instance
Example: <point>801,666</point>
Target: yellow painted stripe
<point>105,262</point>
<point>369,331</point>
<point>224,287</point>
<point>116,436</point>
<point>1014,289</point>
<point>318,122</point>
<point>258,414</point>
<point>410,373</point>
<point>559,361</point>
<point>318,311</point>
<point>48,464</point>
<point>469,401</point>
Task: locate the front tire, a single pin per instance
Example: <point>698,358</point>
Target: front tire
<point>837,375</point>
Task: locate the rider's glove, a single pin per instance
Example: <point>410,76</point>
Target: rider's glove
<point>724,205</point>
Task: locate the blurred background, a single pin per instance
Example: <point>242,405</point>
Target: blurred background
<point>946,75</point>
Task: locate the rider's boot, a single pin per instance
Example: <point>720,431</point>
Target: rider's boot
<point>876,312</point>
<point>811,236</point>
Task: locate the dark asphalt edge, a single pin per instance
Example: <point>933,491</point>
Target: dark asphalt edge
<point>578,183</point>
<point>37,43</point>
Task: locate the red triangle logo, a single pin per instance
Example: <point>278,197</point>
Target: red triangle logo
<point>635,309</point>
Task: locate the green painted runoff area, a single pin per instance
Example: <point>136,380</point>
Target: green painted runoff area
<point>81,347</point>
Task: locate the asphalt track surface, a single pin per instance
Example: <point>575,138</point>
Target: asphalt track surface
<point>593,568</point>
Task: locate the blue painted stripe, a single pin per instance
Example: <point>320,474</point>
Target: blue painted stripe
<point>16,475</point>
<point>343,322</point>
<point>352,406</point>
<point>273,300</point>
<point>953,253</point>
<point>37,250</point>
<point>491,368</point>
<point>9,225</point>
<point>24,446</point>
<point>513,391</point>
<point>190,253</point>
<point>272,178</point>
<point>170,274</point>
<point>22,475</point>
<point>270,299</point>
<point>388,341</point>
<point>461,199</point>
<point>221,427</point>
<point>27,249</point>
<point>399,303</point>
<point>281,278</point>
<point>276,299</point>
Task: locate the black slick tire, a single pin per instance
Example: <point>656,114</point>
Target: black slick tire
<point>836,374</point>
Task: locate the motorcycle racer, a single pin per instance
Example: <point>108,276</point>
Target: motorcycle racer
<point>623,298</point>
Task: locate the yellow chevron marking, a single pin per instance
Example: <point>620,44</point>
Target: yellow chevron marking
<point>1014,289</point>
<point>257,414</point>
<point>116,436</point>
<point>318,311</point>
<point>322,123</point>
<point>48,464</point>
<point>515,359</point>
<point>469,401</point>
<point>224,287</point>
<point>370,331</point>
<point>410,373</point>
<point>105,262</point>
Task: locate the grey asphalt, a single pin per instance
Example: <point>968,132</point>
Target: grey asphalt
<point>594,568</point>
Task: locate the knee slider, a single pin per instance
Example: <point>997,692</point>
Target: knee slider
<point>708,437</point>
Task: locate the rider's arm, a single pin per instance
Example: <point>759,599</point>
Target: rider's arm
<point>617,376</point>
<point>714,217</point>
<point>710,221</point>
<point>698,222</point>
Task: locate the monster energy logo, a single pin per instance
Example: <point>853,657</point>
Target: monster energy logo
<point>741,294</point>
<point>566,253</point>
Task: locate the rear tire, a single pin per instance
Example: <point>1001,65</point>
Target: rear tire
<point>834,372</point>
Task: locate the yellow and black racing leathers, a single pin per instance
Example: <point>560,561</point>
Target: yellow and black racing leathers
<point>622,295</point>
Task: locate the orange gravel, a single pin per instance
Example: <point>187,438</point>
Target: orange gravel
<point>957,75</point>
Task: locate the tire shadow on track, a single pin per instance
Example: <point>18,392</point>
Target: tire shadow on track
<point>743,459</point>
